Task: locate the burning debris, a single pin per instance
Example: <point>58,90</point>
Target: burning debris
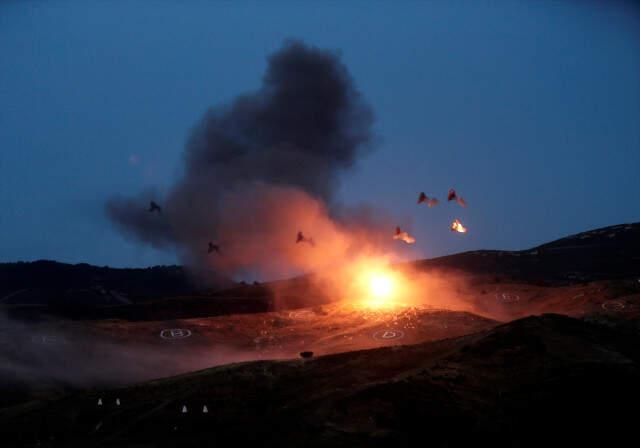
<point>431,202</point>
<point>456,226</point>
<point>213,248</point>
<point>153,207</point>
<point>404,236</point>
<point>454,196</point>
<point>302,239</point>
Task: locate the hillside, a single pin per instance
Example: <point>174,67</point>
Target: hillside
<point>160,293</point>
<point>546,380</point>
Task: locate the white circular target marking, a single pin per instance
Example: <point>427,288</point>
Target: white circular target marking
<point>175,333</point>
<point>613,305</point>
<point>302,314</point>
<point>506,297</point>
<point>387,335</point>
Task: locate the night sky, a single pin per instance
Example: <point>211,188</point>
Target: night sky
<point>531,110</point>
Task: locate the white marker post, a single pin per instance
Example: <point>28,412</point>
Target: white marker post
<point>204,409</point>
<point>184,409</point>
<point>99,401</point>
<point>117,402</point>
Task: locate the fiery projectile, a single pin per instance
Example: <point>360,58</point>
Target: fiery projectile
<point>423,198</point>
<point>454,196</point>
<point>456,226</point>
<point>404,236</point>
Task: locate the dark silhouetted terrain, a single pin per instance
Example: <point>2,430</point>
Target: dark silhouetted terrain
<point>601,254</point>
<point>161,293</point>
<point>548,380</point>
<point>541,348</point>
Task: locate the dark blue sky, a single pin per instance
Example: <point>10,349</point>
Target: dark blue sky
<point>530,109</point>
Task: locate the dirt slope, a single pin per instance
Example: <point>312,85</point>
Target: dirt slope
<point>540,380</point>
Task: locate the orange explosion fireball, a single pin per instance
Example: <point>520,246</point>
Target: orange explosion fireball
<point>456,226</point>
<point>403,236</point>
<point>381,289</point>
<point>375,285</point>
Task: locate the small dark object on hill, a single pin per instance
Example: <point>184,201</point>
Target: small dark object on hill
<point>306,355</point>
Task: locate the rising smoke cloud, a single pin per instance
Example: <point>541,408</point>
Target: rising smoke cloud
<point>261,168</point>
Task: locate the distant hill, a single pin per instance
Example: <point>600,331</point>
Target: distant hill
<point>602,254</point>
<point>51,282</point>
<point>169,292</point>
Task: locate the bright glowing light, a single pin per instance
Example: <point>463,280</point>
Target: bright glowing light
<point>456,226</point>
<point>381,285</point>
<point>378,286</point>
<point>374,284</point>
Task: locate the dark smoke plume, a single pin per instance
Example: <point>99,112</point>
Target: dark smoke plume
<point>305,126</point>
